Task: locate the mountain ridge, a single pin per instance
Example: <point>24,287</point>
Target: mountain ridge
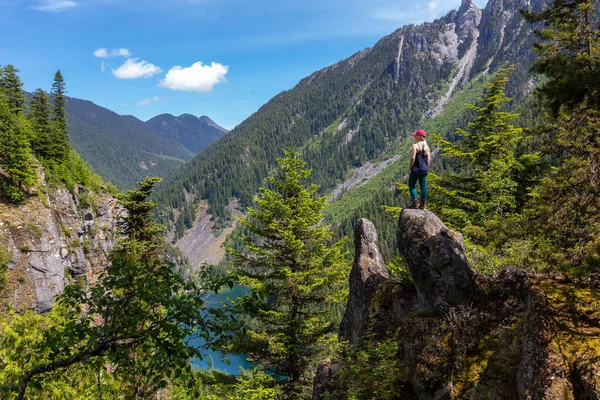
<point>360,109</point>
<point>124,149</point>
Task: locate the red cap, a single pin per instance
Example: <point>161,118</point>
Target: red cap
<point>419,133</point>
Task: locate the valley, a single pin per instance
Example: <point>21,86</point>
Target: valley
<point>418,221</point>
<point>361,111</point>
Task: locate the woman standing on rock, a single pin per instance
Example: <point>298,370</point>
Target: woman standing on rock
<point>418,169</point>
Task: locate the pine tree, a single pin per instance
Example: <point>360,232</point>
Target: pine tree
<point>565,212</point>
<point>58,92</point>
<point>293,275</point>
<point>43,129</point>
<point>569,54</point>
<point>491,184</point>
<point>15,154</point>
<point>11,86</point>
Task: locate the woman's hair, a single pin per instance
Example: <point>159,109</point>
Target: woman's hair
<point>424,147</point>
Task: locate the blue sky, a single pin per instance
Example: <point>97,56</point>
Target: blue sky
<point>221,58</point>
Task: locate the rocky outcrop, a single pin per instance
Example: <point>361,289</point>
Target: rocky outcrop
<point>368,272</point>
<point>513,336</point>
<point>322,379</point>
<point>435,258</point>
<point>54,239</point>
<point>561,340</point>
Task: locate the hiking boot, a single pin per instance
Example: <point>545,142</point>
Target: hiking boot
<point>422,204</point>
<point>414,204</point>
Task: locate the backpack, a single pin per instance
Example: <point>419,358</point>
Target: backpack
<point>420,166</point>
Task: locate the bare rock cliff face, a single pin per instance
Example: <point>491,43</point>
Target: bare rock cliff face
<point>515,336</point>
<point>53,239</point>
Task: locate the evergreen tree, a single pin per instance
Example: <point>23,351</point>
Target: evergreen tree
<point>60,116</point>
<point>11,86</point>
<point>569,54</point>
<point>15,154</point>
<point>565,212</point>
<point>139,316</point>
<point>492,183</point>
<point>43,130</point>
<point>293,275</point>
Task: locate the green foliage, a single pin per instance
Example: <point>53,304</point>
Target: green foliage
<point>216,385</point>
<point>491,162</point>
<point>568,54</point>
<point>110,188</point>
<point>139,315</point>
<point>20,335</point>
<point>72,171</point>
<point>41,134</point>
<point>186,219</point>
<point>294,277</point>
<point>371,371</point>
<point>398,272</point>
<point>43,140</point>
<point>16,169</point>
<point>138,226</point>
<point>496,171</point>
<point>11,87</point>
<point>123,149</point>
<point>59,117</point>
<point>564,213</point>
<point>5,257</point>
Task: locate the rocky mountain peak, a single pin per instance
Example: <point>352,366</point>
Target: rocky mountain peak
<point>212,123</point>
<point>466,5</point>
<point>468,19</point>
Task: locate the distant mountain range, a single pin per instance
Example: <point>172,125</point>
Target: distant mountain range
<point>124,149</point>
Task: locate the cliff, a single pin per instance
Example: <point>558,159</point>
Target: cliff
<point>451,334</point>
<point>54,238</point>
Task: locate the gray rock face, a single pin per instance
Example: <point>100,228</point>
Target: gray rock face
<point>51,240</point>
<point>46,267</point>
<point>368,272</point>
<point>436,260</point>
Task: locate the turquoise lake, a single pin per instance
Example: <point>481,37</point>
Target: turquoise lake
<point>235,360</point>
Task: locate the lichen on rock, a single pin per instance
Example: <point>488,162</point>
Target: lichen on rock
<point>435,258</point>
<point>513,336</point>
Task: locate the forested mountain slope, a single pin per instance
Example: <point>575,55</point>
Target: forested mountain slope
<point>123,149</point>
<point>193,133</point>
<point>361,109</point>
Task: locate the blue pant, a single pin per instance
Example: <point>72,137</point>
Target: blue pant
<point>412,182</point>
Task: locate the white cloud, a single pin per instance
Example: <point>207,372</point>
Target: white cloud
<point>150,100</point>
<point>102,66</point>
<point>197,78</point>
<point>133,69</point>
<point>105,53</point>
<point>55,5</point>
<point>433,6</point>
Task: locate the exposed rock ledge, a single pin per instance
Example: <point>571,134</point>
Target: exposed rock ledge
<point>464,336</point>
<point>54,238</point>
